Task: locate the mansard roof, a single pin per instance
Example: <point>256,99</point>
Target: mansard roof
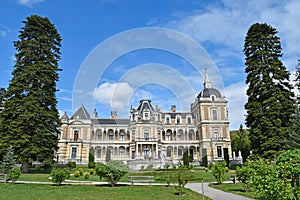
<point>145,104</point>
<point>81,113</point>
<point>111,121</point>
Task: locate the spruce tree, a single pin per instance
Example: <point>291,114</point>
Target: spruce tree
<point>270,104</point>
<point>30,118</point>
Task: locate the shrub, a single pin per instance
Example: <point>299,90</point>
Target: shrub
<point>113,171</point>
<point>92,171</point>
<point>80,171</point>
<point>71,165</point>
<point>86,175</point>
<point>218,171</point>
<point>59,175</point>
<point>91,165</point>
<point>76,174</point>
<point>142,167</point>
<point>14,174</point>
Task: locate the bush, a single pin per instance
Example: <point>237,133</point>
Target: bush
<point>113,171</point>
<point>71,165</point>
<point>218,171</point>
<point>80,171</point>
<point>86,175</point>
<point>14,174</point>
<point>91,165</point>
<point>76,174</point>
<point>59,175</point>
<point>92,171</point>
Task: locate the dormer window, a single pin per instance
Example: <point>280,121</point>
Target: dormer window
<point>146,116</point>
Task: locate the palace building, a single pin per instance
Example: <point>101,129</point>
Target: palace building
<point>149,135</point>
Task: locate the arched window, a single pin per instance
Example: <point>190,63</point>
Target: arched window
<point>98,152</point>
<point>122,135</point>
<point>122,152</point>
<point>168,135</point>
<point>110,135</point>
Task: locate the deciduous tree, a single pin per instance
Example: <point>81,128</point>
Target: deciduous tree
<point>270,104</point>
<point>30,118</point>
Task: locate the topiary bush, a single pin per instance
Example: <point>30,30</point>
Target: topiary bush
<point>80,171</point>
<point>59,175</point>
<point>92,171</point>
<point>76,174</point>
<point>86,175</point>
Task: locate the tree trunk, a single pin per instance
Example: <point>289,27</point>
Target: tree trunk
<point>25,167</point>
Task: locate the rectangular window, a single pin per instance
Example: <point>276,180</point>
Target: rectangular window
<point>169,153</point>
<point>73,152</point>
<point>146,134</point>
<point>168,120</point>
<point>76,135</point>
<point>189,121</point>
<point>214,114</point>
<point>178,121</point>
<point>216,134</point>
<point>219,151</point>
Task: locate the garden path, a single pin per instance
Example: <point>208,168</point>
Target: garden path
<point>214,193</point>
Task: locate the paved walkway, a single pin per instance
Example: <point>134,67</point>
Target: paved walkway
<point>214,193</point>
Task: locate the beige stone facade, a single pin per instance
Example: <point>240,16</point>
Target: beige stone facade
<point>150,135</point>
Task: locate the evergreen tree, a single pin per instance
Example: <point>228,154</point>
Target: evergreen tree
<point>8,161</point>
<point>270,104</point>
<point>298,82</point>
<point>30,119</point>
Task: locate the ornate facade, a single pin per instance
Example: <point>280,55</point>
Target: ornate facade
<point>149,134</point>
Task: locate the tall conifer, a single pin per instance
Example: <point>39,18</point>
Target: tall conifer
<point>30,118</point>
<point>270,104</point>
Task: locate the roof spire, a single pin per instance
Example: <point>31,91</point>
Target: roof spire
<point>207,83</point>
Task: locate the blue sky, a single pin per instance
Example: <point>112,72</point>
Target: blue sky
<point>219,26</point>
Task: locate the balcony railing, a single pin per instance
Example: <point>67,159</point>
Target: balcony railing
<point>146,139</point>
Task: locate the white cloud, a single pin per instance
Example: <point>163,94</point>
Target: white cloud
<point>116,95</point>
<point>221,28</point>
<point>236,96</point>
<point>29,3</point>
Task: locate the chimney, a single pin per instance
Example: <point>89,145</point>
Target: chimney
<point>95,114</point>
<point>173,108</point>
<point>113,115</point>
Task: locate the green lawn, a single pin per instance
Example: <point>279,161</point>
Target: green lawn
<point>234,188</point>
<point>159,176</point>
<point>34,192</point>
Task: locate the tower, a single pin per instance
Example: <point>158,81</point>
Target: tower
<point>211,116</point>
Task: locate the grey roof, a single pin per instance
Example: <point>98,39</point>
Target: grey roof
<point>111,121</point>
<point>145,104</point>
<point>65,117</point>
<point>207,92</point>
<point>81,113</point>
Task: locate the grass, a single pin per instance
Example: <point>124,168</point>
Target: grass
<point>66,192</point>
<point>234,188</point>
<point>159,176</point>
